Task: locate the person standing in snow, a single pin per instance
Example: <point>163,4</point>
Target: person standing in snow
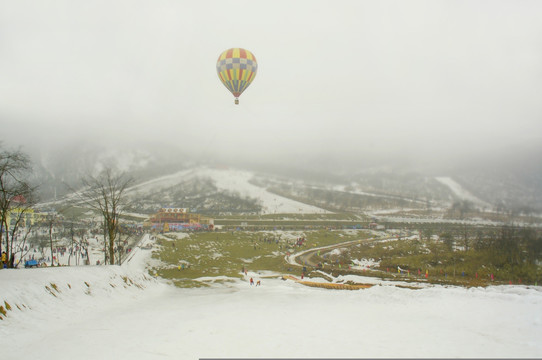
<point>4,260</point>
<point>251,281</point>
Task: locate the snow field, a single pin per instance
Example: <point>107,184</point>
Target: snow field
<point>155,320</point>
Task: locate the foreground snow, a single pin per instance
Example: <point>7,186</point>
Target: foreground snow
<point>122,313</point>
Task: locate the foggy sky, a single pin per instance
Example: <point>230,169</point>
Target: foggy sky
<point>336,79</point>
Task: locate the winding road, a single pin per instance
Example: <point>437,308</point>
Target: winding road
<point>305,257</point>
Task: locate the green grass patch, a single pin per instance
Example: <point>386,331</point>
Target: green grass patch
<point>327,217</point>
<point>292,221</point>
<point>459,267</point>
<point>186,259</point>
<point>196,259</point>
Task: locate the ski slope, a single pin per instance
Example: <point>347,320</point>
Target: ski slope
<point>235,181</point>
<point>461,192</point>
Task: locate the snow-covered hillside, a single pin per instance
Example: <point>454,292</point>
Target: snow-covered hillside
<point>237,181</point>
<point>461,192</point>
<point>120,312</point>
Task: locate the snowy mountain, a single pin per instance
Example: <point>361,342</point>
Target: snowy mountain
<point>166,177</point>
<point>230,181</point>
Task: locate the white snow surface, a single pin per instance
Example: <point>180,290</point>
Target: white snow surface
<point>121,312</point>
<point>459,191</point>
<point>235,181</point>
<point>364,263</point>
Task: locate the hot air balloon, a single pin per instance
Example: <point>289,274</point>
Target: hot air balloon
<point>236,69</point>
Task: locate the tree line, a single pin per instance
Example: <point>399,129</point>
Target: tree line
<point>104,193</point>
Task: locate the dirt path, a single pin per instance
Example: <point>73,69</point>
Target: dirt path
<point>305,258</point>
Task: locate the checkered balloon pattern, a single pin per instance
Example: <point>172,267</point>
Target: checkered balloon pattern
<point>236,69</point>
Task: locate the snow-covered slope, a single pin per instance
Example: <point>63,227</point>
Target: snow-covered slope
<point>120,312</point>
<point>234,181</point>
<point>461,192</point>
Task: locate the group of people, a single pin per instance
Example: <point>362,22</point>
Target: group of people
<point>245,271</point>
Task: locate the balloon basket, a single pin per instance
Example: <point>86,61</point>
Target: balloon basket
<point>236,101</point>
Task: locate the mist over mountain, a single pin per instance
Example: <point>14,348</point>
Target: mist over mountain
<point>510,178</point>
<point>60,169</point>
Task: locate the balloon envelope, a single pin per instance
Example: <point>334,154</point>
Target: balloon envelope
<point>236,69</point>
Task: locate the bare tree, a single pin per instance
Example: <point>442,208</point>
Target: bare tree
<point>105,194</point>
<point>20,228</point>
<point>448,239</point>
<point>78,246</point>
<point>51,222</point>
<point>466,241</point>
<point>16,196</point>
